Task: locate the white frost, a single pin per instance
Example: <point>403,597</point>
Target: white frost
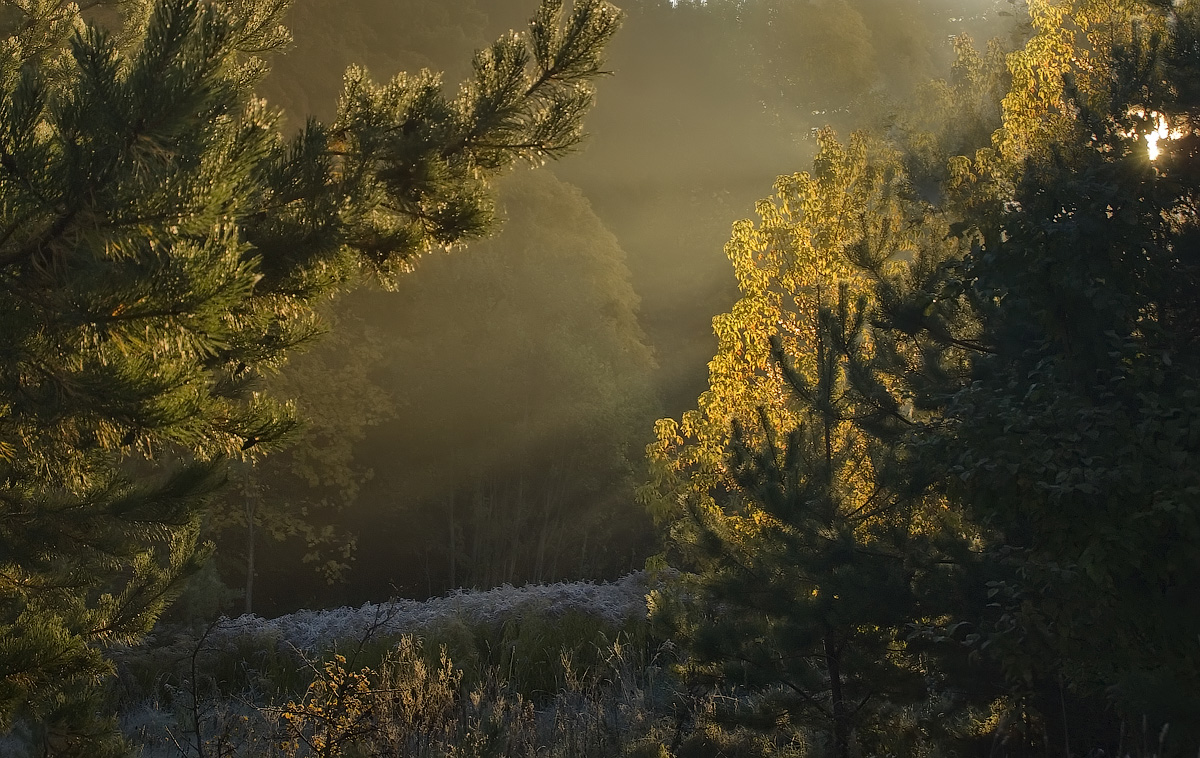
<point>610,603</point>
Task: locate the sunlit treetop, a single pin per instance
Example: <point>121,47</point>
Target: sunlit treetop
<point>820,245</point>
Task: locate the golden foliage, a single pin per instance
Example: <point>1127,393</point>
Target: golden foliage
<point>825,234</point>
<point>1057,65</point>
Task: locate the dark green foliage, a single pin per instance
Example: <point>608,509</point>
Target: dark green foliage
<point>162,248</point>
<point>1071,442</point>
<point>807,586</point>
<point>1049,376</point>
<point>1077,439</point>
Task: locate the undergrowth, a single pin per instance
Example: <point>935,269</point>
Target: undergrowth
<point>528,685</point>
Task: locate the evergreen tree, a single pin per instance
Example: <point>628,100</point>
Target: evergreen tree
<point>808,545</point>
<point>163,248</point>
<point>1075,439</point>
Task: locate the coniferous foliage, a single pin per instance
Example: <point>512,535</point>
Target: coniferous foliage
<point>808,587</point>
<point>810,549</point>
<point>1076,440</point>
<point>162,247</point>
<point>1041,352</point>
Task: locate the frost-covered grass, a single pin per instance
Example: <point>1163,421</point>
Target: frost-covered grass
<point>610,604</point>
<point>522,629</point>
<point>547,670</point>
<point>411,705</point>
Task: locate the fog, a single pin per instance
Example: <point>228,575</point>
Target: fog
<point>484,423</point>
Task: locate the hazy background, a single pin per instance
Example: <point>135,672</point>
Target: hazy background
<point>485,423</point>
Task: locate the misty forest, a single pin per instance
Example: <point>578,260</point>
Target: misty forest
<point>683,379</point>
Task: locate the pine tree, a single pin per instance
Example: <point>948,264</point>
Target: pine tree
<point>808,546</point>
<point>162,248</point>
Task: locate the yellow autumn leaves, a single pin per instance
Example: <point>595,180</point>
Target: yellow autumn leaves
<point>820,240</point>
<point>828,235</point>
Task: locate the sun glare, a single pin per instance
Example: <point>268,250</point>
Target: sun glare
<point>1161,131</point>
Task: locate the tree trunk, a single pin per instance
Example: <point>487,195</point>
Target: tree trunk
<point>251,510</point>
<point>558,549</point>
<point>543,537</point>
<point>841,716</point>
<point>477,535</point>
<point>494,541</point>
<point>514,548</point>
<point>453,542</point>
